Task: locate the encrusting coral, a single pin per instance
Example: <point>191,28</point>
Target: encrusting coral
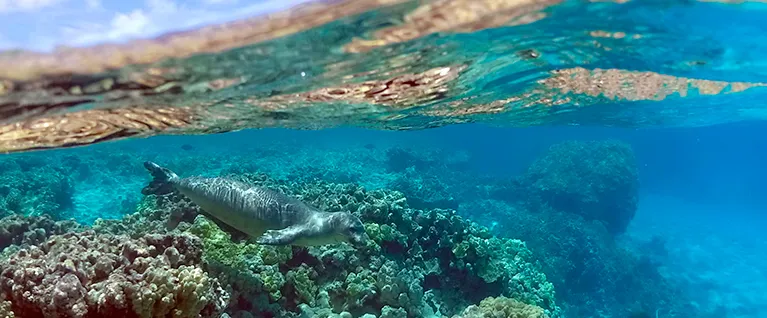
<point>98,275</point>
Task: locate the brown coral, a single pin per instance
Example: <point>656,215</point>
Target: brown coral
<point>502,307</point>
<point>16,229</point>
<point>87,274</point>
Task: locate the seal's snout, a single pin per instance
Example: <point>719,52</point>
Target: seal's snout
<point>358,239</point>
<point>354,230</point>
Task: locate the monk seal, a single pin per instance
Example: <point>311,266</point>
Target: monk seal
<point>269,216</point>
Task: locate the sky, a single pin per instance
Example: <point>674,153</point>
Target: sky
<point>41,25</point>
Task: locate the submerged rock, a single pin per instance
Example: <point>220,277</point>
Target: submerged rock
<point>597,180</point>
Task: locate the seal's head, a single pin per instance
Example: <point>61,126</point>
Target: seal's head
<point>350,227</point>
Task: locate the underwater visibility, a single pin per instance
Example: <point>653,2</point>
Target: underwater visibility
<point>389,159</point>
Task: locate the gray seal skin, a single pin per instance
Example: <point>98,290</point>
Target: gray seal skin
<point>269,216</point>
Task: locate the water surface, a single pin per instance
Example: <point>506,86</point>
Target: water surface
<point>401,65</point>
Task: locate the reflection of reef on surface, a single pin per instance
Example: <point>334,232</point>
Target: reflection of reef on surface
<point>454,16</point>
<point>90,126</point>
<point>368,103</point>
<point>627,85</point>
<point>426,64</point>
<point>402,91</point>
<point>27,65</point>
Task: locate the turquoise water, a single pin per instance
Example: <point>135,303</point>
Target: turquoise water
<point>605,160</point>
<point>697,227</point>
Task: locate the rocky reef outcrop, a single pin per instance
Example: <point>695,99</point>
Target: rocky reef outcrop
<point>99,275</point>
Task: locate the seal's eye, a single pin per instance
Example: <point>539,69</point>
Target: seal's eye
<point>357,228</point>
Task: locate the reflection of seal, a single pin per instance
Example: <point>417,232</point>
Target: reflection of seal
<point>269,216</point>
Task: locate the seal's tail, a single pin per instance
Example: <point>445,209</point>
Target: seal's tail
<point>162,179</point>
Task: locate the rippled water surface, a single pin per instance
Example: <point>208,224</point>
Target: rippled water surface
<point>390,64</point>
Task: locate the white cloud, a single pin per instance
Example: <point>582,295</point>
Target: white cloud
<point>132,24</point>
<point>122,26</point>
<point>90,23</point>
<point>138,23</point>
<point>25,5</point>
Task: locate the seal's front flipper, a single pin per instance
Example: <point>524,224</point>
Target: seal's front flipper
<point>285,236</point>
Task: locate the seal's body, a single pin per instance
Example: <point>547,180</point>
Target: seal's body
<point>271,217</point>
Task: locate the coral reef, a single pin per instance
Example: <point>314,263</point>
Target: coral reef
<point>19,230</point>
<point>597,180</point>
<point>154,214</point>
<point>502,307</point>
<point>441,242</point>
<point>568,207</point>
<point>31,186</point>
<point>424,191</point>
<point>583,261</point>
<point>423,260</point>
<point>5,310</point>
<point>428,177</point>
<point>89,275</point>
<point>418,263</point>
